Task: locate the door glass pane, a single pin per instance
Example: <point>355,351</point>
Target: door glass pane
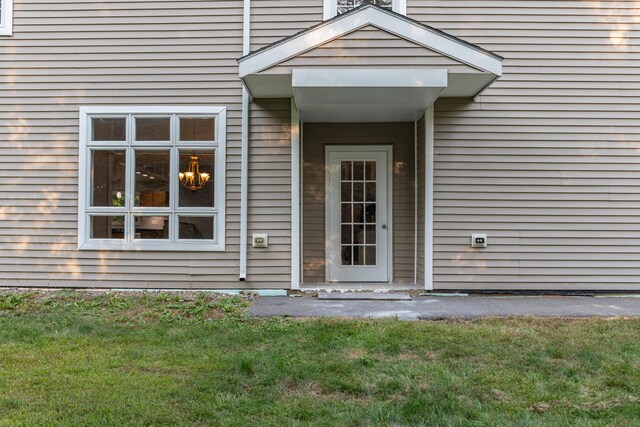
<point>345,192</point>
<point>345,171</point>
<point>153,129</point>
<point>358,234</point>
<point>151,227</point>
<point>370,257</point>
<point>358,171</point>
<point>358,219</point>
<point>358,212</point>
<point>108,177</point>
<point>370,192</point>
<point>152,178</point>
<point>358,255</point>
<point>370,171</point>
<point>198,189</point>
<point>345,255</point>
<point>370,234</point>
<point>346,212</point>
<point>358,191</point>
<point>195,227</point>
<point>346,234</point>
<point>111,129</point>
<point>107,227</point>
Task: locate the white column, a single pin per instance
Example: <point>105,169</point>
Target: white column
<point>295,196</point>
<point>428,198</point>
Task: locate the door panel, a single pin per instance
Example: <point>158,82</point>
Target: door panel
<point>357,226</point>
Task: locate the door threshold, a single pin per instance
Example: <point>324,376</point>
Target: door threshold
<point>365,287</point>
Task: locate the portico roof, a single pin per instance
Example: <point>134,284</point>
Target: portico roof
<point>370,58</point>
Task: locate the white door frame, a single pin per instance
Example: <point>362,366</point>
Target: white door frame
<point>388,150</point>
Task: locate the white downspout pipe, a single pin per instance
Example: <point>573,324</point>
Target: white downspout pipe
<point>244,152</point>
<point>415,202</point>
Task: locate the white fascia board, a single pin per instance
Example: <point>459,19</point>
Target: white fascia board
<point>406,29</point>
<point>369,78</point>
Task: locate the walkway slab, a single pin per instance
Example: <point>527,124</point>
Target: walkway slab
<point>427,308</point>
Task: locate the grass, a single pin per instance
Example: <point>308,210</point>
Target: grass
<point>71,358</point>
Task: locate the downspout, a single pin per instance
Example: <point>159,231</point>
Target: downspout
<point>415,202</point>
<point>244,151</point>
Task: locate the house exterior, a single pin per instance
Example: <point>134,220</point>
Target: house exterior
<point>266,144</point>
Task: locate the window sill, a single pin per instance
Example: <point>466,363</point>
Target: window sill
<point>137,246</point>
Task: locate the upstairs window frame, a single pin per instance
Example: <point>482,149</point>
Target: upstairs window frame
<point>6,17</point>
<point>330,9</point>
<point>132,213</point>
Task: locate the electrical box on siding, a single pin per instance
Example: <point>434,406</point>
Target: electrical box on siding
<point>260,240</point>
<point>479,240</point>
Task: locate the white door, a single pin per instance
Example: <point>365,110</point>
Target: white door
<point>358,214</point>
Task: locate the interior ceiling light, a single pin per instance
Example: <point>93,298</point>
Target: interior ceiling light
<point>192,178</point>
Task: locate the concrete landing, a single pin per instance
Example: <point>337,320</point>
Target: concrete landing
<point>368,296</point>
<point>429,308</point>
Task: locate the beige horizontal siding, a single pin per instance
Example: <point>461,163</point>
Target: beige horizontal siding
<point>270,191</point>
<point>67,54</point>
<point>546,160</point>
<point>371,47</point>
<point>273,20</point>
<point>316,136</point>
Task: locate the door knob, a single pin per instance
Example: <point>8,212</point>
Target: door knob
<point>384,226</point>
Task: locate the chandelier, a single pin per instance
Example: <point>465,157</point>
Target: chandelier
<point>192,178</point>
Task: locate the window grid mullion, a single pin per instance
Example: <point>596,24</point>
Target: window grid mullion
<point>129,184</point>
<point>173,179</point>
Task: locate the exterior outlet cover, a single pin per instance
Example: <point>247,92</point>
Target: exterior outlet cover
<point>479,240</point>
<point>260,240</point>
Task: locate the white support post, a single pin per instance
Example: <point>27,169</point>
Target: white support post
<point>295,196</point>
<point>428,198</point>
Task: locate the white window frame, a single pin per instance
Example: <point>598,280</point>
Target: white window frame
<point>129,243</point>
<point>330,8</point>
<point>6,17</point>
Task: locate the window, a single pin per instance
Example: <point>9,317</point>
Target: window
<point>337,7</point>
<point>152,178</point>
<point>6,17</point>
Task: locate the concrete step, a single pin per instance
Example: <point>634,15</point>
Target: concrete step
<point>378,296</point>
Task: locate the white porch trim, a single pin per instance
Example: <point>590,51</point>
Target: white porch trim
<point>371,15</point>
<point>428,198</point>
<point>295,197</point>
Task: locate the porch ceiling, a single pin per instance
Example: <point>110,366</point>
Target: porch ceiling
<point>333,95</point>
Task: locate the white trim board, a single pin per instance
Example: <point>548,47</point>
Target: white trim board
<point>381,18</point>
<point>6,17</point>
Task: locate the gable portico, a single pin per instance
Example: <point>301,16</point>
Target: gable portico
<point>334,73</point>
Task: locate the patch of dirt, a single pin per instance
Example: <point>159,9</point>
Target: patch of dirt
<point>501,396</point>
<point>540,407</point>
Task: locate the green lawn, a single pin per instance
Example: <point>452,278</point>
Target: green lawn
<point>74,359</point>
